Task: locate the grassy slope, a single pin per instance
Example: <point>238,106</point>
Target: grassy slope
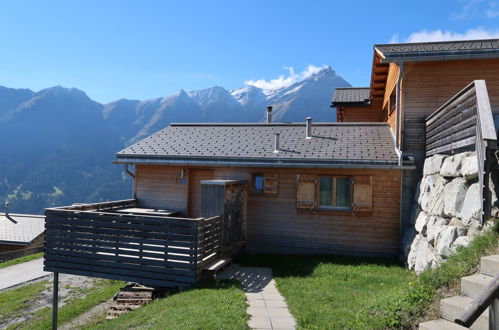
<point>326,292</point>
<point>12,302</point>
<point>102,291</point>
<point>208,305</point>
<point>420,297</point>
<point>20,260</point>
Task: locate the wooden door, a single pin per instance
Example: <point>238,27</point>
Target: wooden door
<point>194,200</point>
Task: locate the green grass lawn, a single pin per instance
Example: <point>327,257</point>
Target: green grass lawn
<point>12,302</point>
<point>20,260</point>
<point>42,319</point>
<point>419,301</point>
<point>207,305</point>
<point>328,292</point>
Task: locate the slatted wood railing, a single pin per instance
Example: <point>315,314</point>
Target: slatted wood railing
<point>152,250</point>
<point>465,123</point>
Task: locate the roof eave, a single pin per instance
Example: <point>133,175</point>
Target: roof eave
<point>350,104</point>
<point>439,56</point>
<point>286,163</point>
<point>18,243</point>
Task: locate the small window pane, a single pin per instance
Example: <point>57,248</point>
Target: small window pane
<point>343,191</point>
<point>326,191</point>
<point>258,183</point>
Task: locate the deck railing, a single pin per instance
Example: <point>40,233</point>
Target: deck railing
<point>465,123</point>
<point>92,240</point>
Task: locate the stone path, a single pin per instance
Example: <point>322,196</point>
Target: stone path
<point>267,308</point>
<point>20,273</point>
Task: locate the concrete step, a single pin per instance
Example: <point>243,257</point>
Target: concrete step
<point>472,286</point>
<point>490,265</point>
<point>451,307</point>
<point>440,324</point>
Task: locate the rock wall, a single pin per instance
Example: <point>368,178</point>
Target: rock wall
<point>446,212</point>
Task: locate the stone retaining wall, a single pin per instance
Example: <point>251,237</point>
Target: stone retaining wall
<point>446,213</point>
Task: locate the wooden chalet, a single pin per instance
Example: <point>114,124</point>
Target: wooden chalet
<point>410,82</point>
<point>202,191</point>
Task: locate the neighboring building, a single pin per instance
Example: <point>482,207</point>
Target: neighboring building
<point>312,188</point>
<point>415,79</point>
<point>21,231</point>
<point>411,81</point>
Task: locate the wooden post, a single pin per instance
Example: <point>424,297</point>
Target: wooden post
<point>494,314</point>
<point>55,301</point>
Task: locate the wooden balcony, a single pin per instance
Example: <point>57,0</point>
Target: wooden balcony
<point>118,240</point>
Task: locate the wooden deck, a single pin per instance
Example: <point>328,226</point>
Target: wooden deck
<point>162,251</point>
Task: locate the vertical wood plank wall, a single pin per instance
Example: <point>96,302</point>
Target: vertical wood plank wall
<point>428,85</point>
<point>371,113</point>
<point>362,114</point>
<point>391,81</point>
<point>275,224</point>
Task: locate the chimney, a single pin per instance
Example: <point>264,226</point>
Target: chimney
<point>269,114</point>
<point>308,131</point>
<point>276,147</point>
<point>7,209</point>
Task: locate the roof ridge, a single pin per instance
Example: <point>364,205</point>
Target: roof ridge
<point>435,42</point>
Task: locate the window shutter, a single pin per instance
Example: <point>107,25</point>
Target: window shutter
<point>305,191</point>
<point>271,184</point>
<point>362,194</point>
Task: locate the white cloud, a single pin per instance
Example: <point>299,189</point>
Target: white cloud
<point>492,11</point>
<point>440,35</point>
<point>472,9</point>
<point>469,10</point>
<point>284,81</point>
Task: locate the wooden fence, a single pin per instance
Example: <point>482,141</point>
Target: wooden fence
<point>465,123</point>
<point>151,250</point>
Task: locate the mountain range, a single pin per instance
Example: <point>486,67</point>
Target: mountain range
<point>57,145</point>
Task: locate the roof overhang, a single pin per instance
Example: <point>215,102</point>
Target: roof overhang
<point>379,76</point>
<point>278,163</point>
<point>350,104</point>
<point>16,243</point>
<point>437,56</point>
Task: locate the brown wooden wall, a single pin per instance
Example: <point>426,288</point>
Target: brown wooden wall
<point>361,114</point>
<point>370,113</point>
<point>428,85</point>
<point>275,224</point>
<point>391,81</point>
<point>157,186</point>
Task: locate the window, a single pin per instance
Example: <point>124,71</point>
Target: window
<point>257,183</point>
<point>335,192</point>
<point>343,193</point>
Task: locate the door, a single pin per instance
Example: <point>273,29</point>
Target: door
<point>195,178</point>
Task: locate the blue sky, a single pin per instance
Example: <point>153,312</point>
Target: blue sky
<point>145,49</point>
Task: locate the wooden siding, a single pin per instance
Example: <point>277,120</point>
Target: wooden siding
<point>391,81</point>
<point>428,85</point>
<point>361,114</point>
<point>274,222</point>
<point>160,187</point>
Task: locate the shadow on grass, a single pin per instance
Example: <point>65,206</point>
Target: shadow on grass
<point>304,265</point>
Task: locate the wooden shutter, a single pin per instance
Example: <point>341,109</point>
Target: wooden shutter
<point>362,194</point>
<point>305,191</point>
<point>271,184</point>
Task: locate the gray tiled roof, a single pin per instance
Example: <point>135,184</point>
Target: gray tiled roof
<point>444,49</point>
<point>27,228</point>
<point>334,143</point>
<point>351,96</point>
